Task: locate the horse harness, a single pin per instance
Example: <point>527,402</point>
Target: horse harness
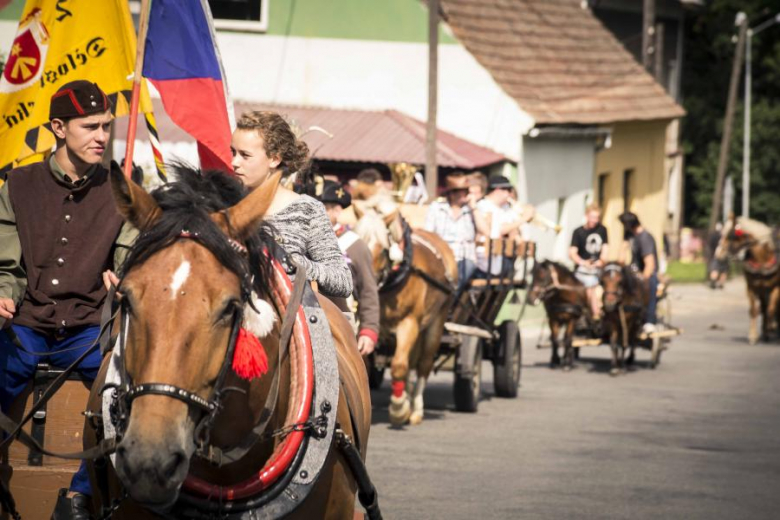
<point>397,273</point>
<point>316,432</point>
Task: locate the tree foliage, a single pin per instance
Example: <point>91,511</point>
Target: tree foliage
<point>710,46</point>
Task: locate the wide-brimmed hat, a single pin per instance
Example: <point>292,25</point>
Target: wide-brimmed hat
<point>78,99</point>
<point>334,193</point>
<point>497,182</point>
<point>456,182</point>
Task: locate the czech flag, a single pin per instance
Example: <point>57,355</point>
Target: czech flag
<point>182,61</point>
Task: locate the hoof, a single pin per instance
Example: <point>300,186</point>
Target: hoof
<point>615,372</point>
<point>400,409</point>
<point>416,418</point>
<point>567,368</point>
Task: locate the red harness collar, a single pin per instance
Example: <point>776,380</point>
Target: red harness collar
<point>302,382</point>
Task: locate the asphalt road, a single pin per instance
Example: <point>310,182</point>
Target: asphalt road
<point>698,437</point>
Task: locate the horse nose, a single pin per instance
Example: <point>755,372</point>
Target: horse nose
<point>173,466</point>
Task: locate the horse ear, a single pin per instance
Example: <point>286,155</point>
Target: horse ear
<point>133,202</point>
<point>244,217</point>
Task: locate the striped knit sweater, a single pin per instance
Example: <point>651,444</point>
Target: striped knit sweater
<point>303,230</point>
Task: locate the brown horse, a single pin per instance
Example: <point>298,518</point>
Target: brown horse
<point>762,270</point>
<point>416,272</point>
<point>198,263</point>
<point>564,300</point>
<point>625,302</point>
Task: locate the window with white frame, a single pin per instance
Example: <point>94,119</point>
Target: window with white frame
<point>231,15</point>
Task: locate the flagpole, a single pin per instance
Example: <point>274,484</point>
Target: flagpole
<point>132,126</point>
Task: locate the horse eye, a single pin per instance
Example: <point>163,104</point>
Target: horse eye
<point>229,311</point>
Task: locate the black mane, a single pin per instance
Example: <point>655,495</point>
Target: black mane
<point>186,206</point>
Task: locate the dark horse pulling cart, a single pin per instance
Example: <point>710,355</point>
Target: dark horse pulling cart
<point>471,333</point>
<point>624,309</point>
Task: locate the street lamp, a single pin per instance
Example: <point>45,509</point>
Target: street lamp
<point>746,145</point>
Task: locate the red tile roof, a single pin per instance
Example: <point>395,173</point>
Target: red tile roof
<point>358,135</point>
<point>557,61</point>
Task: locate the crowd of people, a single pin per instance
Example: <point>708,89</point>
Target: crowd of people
<point>62,243</point>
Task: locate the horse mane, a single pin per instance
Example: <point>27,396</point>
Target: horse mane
<point>371,226</point>
<point>565,271</point>
<point>186,205</point>
<point>758,230</point>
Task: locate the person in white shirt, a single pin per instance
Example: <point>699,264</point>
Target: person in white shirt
<point>502,222</point>
<point>453,220</point>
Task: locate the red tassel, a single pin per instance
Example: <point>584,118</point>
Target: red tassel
<point>249,358</point>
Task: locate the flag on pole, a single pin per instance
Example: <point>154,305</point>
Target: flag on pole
<point>55,43</point>
<point>182,61</point>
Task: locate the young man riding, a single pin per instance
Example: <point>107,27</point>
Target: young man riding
<point>644,258</point>
<point>336,199</point>
<point>59,230</point>
<point>588,251</point>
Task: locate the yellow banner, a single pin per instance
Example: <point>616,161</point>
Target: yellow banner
<point>58,42</point>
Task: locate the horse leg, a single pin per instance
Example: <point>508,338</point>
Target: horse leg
<point>406,337</point>
<point>754,312</point>
<point>554,333</point>
<point>568,349</point>
<point>617,355</point>
<point>429,344</point>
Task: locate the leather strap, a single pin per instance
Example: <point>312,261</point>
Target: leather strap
<point>217,455</point>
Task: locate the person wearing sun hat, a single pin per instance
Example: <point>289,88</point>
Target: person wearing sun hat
<point>454,221</point>
<point>59,234</point>
<point>502,222</point>
<point>365,291</point>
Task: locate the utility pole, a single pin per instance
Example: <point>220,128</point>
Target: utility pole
<point>725,143</point>
<point>648,33</point>
<point>659,54</point>
<point>431,169</point>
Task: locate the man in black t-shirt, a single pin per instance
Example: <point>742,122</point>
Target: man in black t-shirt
<point>588,251</point>
<point>644,259</point>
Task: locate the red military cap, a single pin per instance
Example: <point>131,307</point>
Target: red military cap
<point>77,99</point>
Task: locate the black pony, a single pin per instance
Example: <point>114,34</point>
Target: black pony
<point>564,300</point>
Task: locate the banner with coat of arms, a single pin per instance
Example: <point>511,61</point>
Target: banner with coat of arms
<point>59,41</point>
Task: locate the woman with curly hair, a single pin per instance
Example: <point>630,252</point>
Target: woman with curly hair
<point>264,144</point>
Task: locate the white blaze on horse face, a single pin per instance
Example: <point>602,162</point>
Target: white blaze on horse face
<point>179,277</point>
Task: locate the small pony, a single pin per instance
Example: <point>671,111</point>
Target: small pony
<point>565,301</point>
<point>625,302</point>
<point>762,270</point>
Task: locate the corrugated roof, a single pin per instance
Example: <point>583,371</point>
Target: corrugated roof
<point>557,61</point>
<point>358,136</point>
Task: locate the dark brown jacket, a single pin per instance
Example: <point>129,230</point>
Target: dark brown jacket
<point>67,234</point>
<point>364,286</point>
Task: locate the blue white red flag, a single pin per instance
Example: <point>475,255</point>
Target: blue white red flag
<point>182,61</point>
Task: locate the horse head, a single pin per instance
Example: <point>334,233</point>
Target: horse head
<point>744,234</point>
<point>614,280</point>
<point>184,286</point>
<point>381,227</point>
<point>541,282</point>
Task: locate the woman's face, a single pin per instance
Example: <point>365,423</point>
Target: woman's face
<point>250,161</point>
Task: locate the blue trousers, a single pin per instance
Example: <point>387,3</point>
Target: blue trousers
<point>652,285</point>
<point>18,367</point>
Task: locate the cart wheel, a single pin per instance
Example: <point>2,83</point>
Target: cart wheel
<point>506,368</point>
<point>655,354</point>
<point>468,375</point>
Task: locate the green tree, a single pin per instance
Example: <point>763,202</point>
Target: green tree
<point>708,61</point>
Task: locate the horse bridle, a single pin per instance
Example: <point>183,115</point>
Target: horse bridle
<point>612,268</point>
<point>126,393</point>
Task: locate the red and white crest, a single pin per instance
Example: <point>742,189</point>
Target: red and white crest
<point>27,56</point>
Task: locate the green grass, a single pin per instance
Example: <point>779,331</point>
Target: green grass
<point>694,272</point>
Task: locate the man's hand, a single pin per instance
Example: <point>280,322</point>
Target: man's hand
<point>110,278</point>
<point>365,345</point>
<point>8,309</point>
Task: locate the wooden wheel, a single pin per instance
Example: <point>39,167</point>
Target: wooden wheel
<point>468,375</point>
